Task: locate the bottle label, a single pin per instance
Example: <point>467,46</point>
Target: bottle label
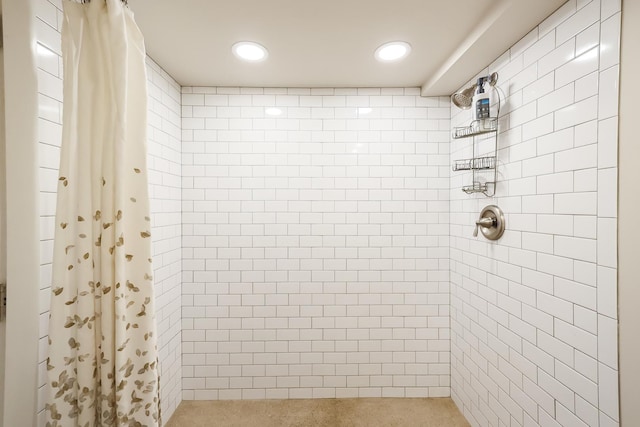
<point>482,108</point>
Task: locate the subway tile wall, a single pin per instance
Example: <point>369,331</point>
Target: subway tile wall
<point>533,316</point>
<point>315,243</point>
<point>49,61</point>
<point>165,192</point>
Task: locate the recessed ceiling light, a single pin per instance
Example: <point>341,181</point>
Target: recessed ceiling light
<point>273,111</point>
<point>392,51</point>
<point>250,51</point>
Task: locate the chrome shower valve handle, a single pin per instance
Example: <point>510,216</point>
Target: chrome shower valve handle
<point>490,222</point>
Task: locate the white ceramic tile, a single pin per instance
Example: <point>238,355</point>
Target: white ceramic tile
<point>609,89</point>
<point>538,280</point>
<point>577,158</point>
<point>609,7</point>
<point>557,17</point>
<point>583,18</point>
<point>554,306</point>
<point>524,43</point>
<point>557,57</point>
<point>610,42</point>
<point>607,200</point>
<point>586,86</point>
<point>559,98</point>
<point>537,127</point>
<point>607,242</point>
<point>556,141</point>
<point>585,272</point>
<point>47,12</point>
<point>525,150</point>
<point>586,365</point>
<point>607,292</point>
<point>555,224</point>
<point>586,133</point>
<point>48,36</point>
<point>555,183</point>
<point>576,203</point>
<point>608,391</point>
<point>608,341</point>
<point>523,114</point>
<point>555,388</point>
<point>542,398</point>
<point>608,143</point>
<point>538,88</point>
<point>49,85</point>
<point>583,64</point>
<point>48,60</point>
<point>588,39</point>
<point>538,318</point>
<point>606,421</point>
<point>576,292</point>
<point>579,112</point>
<point>540,204</point>
<point>567,417</point>
<point>582,249</point>
<point>584,387</point>
<point>585,226</point>
<point>523,79</point>
<point>585,319</point>
<point>577,338</point>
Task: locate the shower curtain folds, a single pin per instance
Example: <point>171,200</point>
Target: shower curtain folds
<point>102,362</point>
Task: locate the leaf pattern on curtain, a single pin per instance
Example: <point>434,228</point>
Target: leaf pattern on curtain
<point>103,361</point>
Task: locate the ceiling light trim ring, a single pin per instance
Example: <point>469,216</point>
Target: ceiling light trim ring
<point>392,51</point>
<point>250,51</point>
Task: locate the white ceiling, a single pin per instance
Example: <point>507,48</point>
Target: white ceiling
<point>330,43</point>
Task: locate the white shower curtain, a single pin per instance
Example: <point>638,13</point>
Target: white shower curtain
<point>102,365</point>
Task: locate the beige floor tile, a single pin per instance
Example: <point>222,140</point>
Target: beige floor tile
<point>434,412</point>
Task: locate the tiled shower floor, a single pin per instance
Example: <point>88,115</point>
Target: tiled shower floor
<point>402,412</point>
